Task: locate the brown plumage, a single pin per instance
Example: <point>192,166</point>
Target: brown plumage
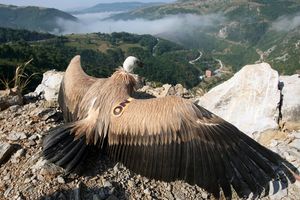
<point>73,87</point>
<point>167,138</point>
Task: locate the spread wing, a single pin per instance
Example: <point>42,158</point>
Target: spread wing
<point>73,87</point>
<point>171,138</point>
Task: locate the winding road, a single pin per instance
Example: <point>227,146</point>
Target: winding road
<point>192,62</point>
<point>221,64</point>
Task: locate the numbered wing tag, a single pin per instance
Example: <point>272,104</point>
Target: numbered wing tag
<point>119,109</point>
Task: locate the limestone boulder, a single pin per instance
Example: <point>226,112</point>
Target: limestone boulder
<point>248,100</point>
<point>291,98</point>
<point>50,85</point>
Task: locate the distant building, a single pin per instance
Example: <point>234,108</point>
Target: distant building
<point>208,73</point>
<point>201,77</point>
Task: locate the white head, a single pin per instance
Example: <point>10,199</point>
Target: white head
<point>130,63</point>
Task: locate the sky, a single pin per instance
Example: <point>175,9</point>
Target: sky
<point>68,4</point>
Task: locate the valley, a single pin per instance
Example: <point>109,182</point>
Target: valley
<point>227,33</point>
<point>165,62</point>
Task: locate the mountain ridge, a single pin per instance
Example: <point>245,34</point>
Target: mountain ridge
<point>32,18</point>
<point>116,7</point>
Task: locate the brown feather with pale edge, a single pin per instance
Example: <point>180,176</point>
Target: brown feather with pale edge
<point>171,138</point>
<point>73,87</point>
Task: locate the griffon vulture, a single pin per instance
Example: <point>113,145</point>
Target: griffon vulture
<point>166,138</point>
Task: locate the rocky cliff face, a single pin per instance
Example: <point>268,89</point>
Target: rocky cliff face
<point>50,85</point>
<point>291,97</point>
<point>249,100</point>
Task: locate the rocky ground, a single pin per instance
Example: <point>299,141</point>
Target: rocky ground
<point>25,175</point>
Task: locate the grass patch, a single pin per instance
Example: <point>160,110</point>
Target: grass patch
<point>20,79</point>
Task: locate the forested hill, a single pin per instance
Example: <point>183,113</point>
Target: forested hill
<point>238,32</point>
<point>116,7</point>
<point>165,62</point>
<point>33,18</point>
<point>12,35</point>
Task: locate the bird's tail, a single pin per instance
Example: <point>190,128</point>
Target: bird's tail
<point>62,148</point>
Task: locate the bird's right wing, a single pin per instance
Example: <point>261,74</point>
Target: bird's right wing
<point>171,138</point>
<point>73,87</point>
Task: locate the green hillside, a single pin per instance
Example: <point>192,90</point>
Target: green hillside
<point>32,18</point>
<point>165,62</point>
<point>13,35</point>
<point>240,29</point>
<point>116,7</point>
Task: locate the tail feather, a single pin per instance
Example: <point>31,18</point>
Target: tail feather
<point>61,147</point>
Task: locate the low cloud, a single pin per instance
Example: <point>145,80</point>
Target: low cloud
<point>97,22</point>
<point>286,23</point>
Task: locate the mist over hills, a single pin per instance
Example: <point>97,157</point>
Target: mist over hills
<point>165,61</point>
<point>237,32</point>
<point>243,31</point>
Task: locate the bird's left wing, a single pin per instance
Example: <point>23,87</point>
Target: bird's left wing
<point>73,87</point>
<point>171,138</point>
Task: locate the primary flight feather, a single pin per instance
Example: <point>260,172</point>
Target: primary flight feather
<point>166,138</point>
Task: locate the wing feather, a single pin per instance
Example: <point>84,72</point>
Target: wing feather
<point>73,87</point>
<point>171,138</point>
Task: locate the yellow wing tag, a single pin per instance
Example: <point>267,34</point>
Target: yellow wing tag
<point>119,109</point>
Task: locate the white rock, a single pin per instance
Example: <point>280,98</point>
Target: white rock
<point>107,184</point>
<point>33,137</point>
<point>39,164</point>
<point>295,144</point>
<point>7,191</point>
<point>14,108</point>
<point>180,90</point>
<point>50,85</point>
<point>130,183</point>
<point>279,194</point>
<point>14,136</point>
<point>147,191</point>
<point>6,177</point>
<point>60,180</point>
<point>296,135</point>
<point>248,100</point>
<point>273,143</point>
<point>291,97</point>
<point>165,91</point>
<point>27,180</point>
